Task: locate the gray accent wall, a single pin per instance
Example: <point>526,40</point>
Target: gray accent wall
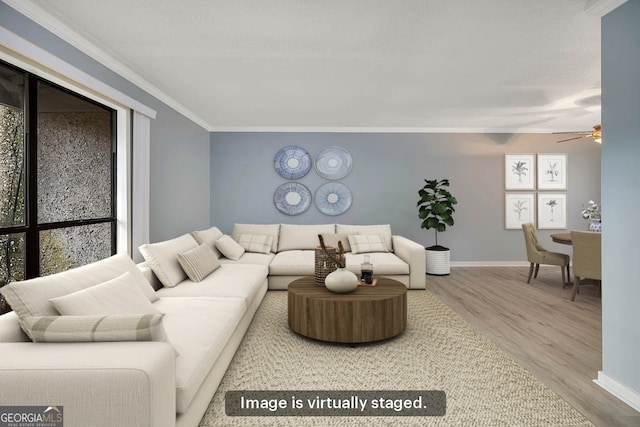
<point>388,170</point>
<point>179,188</point>
<point>621,197</point>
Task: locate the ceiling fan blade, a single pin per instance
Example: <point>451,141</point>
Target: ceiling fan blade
<point>571,139</point>
<point>560,133</point>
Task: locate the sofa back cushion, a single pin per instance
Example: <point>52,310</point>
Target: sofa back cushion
<point>294,236</point>
<point>383,230</point>
<point>269,229</point>
<point>162,257</point>
<point>30,298</point>
<point>209,237</point>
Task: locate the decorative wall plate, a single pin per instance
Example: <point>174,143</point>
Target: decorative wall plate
<point>292,198</point>
<point>333,198</point>
<point>292,162</point>
<point>333,163</point>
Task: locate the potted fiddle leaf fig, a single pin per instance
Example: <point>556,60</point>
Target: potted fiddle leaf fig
<point>435,209</point>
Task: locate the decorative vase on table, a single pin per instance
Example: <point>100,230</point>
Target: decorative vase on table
<point>595,225</point>
<point>341,281</point>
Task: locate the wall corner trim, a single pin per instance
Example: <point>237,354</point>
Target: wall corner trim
<point>602,7</point>
<point>622,392</point>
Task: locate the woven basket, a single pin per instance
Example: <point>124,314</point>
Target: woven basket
<point>323,264</point>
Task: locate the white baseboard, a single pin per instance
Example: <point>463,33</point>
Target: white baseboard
<point>627,395</point>
<point>489,264</point>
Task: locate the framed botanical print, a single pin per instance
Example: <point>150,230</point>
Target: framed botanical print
<point>552,210</point>
<point>519,172</point>
<point>552,171</point>
<point>519,208</point>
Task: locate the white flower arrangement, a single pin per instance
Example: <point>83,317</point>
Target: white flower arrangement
<point>593,211</point>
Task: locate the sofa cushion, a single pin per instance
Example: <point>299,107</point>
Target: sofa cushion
<point>162,257</point>
<point>384,263</point>
<point>363,243</point>
<point>260,243</point>
<point>30,298</point>
<point>332,239</point>
<point>115,296</point>
<point>250,258</point>
<point>383,230</point>
<point>209,237</point>
<point>293,236</point>
<point>198,263</point>
<point>230,280</point>
<point>199,328</point>
<point>290,263</point>
<point>229,247</point>
<point>269,229</point>
<point>128,327</point>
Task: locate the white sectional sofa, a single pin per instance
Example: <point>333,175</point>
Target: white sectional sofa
<point>293,250</point>
<point>190,307</point>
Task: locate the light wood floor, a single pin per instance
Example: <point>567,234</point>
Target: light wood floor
<point>557,340</point>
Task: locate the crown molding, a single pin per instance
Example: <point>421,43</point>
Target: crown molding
<point>24,54</point>
<point>55,26</point>
<point>417,129</point>
<point>600,8</point>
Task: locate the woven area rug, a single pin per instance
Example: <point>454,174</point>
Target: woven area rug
<point>437,351</point>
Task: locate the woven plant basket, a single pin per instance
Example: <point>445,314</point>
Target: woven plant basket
<point>324,264</point>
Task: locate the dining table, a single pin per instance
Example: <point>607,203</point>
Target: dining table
<point>562,238</point>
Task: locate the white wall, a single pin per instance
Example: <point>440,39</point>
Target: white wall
<point>621,197</point>
<point>388,170</point>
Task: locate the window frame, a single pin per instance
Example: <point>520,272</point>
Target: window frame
<point>32,228</point>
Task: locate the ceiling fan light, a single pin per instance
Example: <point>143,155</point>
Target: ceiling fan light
<point>598,140</point>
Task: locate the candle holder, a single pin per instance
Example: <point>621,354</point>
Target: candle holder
<point>324,264</point>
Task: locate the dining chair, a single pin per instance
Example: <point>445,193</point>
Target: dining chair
<point>537,255</point>
<point>587,256</point>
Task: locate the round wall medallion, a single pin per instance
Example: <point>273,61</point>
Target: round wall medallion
<point>292,198</point>
<point>333,163</point>
<point>333,198</point>
<point>292,162</point>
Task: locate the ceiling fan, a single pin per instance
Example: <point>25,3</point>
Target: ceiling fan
<point>596,135</point>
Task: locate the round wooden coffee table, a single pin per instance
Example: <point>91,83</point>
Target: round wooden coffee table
<point>367,314</point>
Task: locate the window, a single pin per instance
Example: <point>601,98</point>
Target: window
<point>57,178</point>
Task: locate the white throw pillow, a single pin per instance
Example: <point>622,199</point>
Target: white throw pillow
<point>209,237</point>
<point>127,327</point>
<point>162,257</point>
<point>363,243</point>
<point>229,247</point>
<point>198,263</point>
<point>270,229</point>
<point>116,296</point>
<point>260,243</point>
<point>30,298</point>
<point>383,230</point>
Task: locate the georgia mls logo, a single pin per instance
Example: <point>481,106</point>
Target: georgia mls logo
<point>31,416</point>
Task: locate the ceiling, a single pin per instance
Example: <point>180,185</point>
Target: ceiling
<point>350,65</point>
